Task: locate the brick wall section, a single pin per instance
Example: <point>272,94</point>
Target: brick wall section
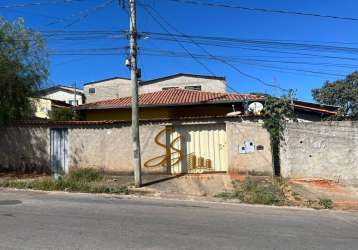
<point>258,162</point>
<point>327,150</point>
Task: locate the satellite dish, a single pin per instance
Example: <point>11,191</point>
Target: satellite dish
<point>255,107</point>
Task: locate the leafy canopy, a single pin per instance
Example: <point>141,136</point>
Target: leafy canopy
<point>342,93</point>
<point>23,66</point>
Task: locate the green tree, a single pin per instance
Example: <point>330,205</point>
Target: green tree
<point>342,93</point>
<point>23,66</point>
<point>276,112</point>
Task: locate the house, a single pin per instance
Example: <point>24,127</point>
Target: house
<point>170,103</point>
<point>43,107</point>
<point>65,94</point>
<point>118,87</point>
<point>175,103</point>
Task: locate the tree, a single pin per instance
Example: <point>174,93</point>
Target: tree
<point>342,93</point>
<point>23,66</point>
<point>276,112</point>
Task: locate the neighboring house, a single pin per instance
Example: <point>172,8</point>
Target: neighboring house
<point>181,103</point>
<point>107,89</point>
<point>121,87</point>
<point>65,94</point>
<point>43,107</point>
<point>185,81</point>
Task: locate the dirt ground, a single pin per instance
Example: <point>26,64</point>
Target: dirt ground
<point>344,197</point>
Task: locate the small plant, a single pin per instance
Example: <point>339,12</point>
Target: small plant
<point>254,192</point>
<point>87,180</point>
<point>85,175</point>
<point>325,203</point>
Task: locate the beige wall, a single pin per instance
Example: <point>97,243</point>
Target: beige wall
<point>109,89</point>
<point>41,107</point>
<point>25,149</point>
<point>109,147</point>
<point>327,150</point>
<point>258,162</point>
<point>116,88</point>
<point>210,85</point>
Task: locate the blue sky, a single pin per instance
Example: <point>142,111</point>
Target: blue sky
<point>203,21</point>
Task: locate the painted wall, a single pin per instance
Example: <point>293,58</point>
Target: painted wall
<point>327,150</point>
<point>110,148</point>
<point>25,149</point>
<point>42,107</point>
<point>255,159</point>
<point>209,85</point>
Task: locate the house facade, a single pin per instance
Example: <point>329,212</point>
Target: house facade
<point>121,87</point>
<point>65,94</point>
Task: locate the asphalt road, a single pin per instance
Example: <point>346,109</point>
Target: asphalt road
<point>74,221</point>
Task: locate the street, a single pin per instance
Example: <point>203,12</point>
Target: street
<point>36,220</point>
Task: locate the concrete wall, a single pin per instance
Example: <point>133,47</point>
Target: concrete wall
<point>326,150</point>
<point>108,89</point>
<point>109,146</point>
<point>118,87</point>
<point>210,85</point>
<point>25,149</point>
<point>257,162</point>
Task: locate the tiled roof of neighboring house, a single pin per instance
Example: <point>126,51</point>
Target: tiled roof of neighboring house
<point>173,97</point>
<point>315,107</point>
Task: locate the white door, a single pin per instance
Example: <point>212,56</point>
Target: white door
<point>200,148</point>
<point>59,151</point>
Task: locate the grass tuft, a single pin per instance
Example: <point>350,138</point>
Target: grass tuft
<point>256,192</point>
<point>85,180</point>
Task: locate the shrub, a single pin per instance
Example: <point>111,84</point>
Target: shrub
<point>253,192</point>
<point>326,203</point>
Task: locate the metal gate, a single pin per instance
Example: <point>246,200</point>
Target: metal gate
<point>201,148</point>
<point>59,151</point>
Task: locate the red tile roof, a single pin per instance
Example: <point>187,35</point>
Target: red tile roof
<point>172,97</point>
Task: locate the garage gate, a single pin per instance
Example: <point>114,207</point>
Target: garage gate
<point>198,148</point>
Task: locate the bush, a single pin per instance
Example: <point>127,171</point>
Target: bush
<point>253,192</point>
<point>326,203</point>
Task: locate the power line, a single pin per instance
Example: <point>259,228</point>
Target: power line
<point>180,44</point>
<point>220,59</point>
<point>83,14</point>
<point>22,5</point>
<point>287,12</point>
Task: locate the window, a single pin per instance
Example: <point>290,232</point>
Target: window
<point>166,88</point>
<point>91,90</point>
<point>73,102</point>
<point>197,87</point>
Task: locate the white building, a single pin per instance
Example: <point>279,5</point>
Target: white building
<point>63,93</point>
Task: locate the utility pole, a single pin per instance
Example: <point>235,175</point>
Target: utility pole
<point>134,81</point>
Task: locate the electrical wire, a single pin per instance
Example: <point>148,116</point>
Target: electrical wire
<point>286,12</point>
